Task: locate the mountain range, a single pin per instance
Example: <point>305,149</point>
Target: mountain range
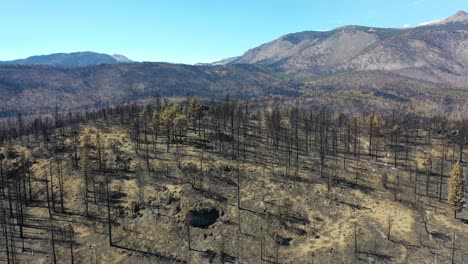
<point>75,59</point>
<point>353,64</point>
<point>436,52</point>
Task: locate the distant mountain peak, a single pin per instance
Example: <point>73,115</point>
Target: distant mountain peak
<point>121,58</point>
<point>460,16</point>
<point>74,59</point>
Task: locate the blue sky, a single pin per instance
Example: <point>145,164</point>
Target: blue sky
<point>190,31</point>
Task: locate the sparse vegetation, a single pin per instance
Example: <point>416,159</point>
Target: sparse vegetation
<point>236,182</point>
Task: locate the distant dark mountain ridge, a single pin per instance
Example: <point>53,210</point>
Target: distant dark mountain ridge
<point>75,59</point>
<point>29,88</point>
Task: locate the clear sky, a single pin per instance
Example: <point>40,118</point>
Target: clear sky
<point>190,31</point>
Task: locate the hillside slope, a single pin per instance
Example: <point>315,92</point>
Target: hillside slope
<point>35,88</point>
<point>276,186</point>
<point>435,52</point>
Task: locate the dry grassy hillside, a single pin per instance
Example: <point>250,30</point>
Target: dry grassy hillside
<point>227,193</point>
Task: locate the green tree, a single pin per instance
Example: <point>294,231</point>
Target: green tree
<point>167,121</point>
<point>456,189</point>
<point>374,122</point>
<point>196,113</point>
<point>180,125</point>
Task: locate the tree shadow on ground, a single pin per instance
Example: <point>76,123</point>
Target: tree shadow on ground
<point>157,255</point>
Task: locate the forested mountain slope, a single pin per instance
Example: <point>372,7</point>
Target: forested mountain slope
<point>36,88</point>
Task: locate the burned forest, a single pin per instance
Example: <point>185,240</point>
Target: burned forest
<point>232,181</point>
